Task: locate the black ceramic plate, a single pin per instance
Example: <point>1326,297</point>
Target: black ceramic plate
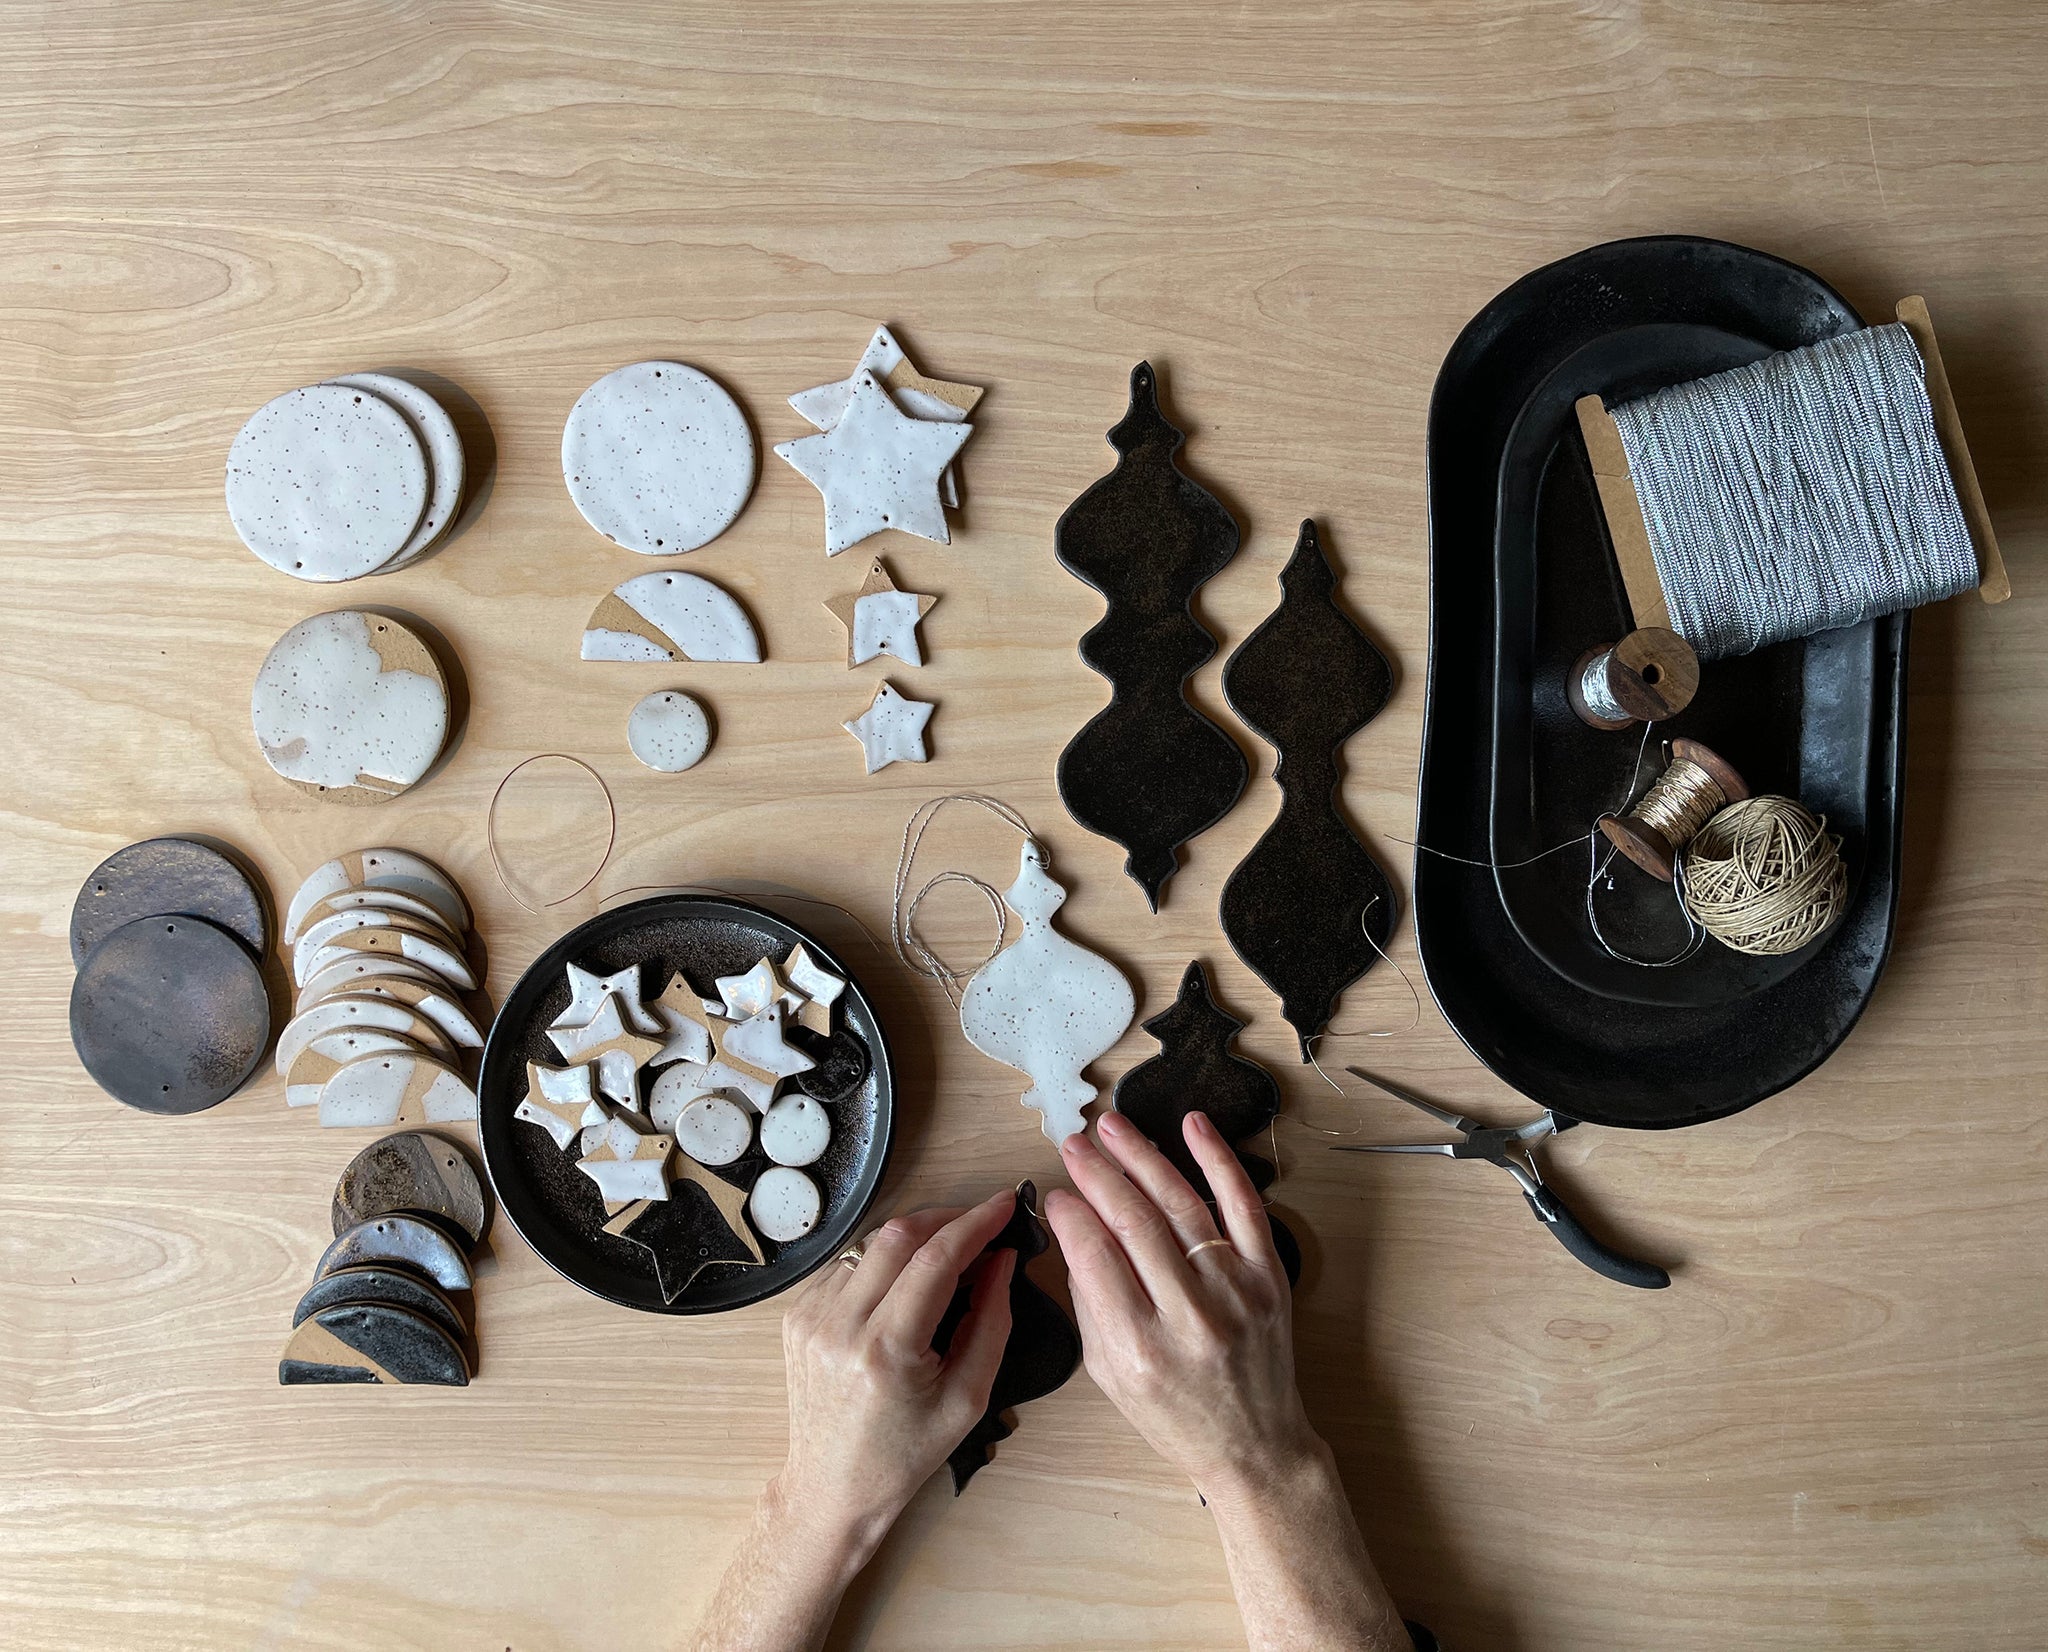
<point>1522,581</point>
<point>556,1208</point>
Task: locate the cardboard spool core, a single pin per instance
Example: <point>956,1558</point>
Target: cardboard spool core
<point>1630,536</point>
<point>1651,849</point>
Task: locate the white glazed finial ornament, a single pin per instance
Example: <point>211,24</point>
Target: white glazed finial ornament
<point>1046,1005</point>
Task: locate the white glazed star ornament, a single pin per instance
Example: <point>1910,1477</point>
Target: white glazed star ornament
<point>878,468</point>
<point>891,730</point>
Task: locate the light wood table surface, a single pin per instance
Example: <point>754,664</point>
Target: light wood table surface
<point>1830,1432</point>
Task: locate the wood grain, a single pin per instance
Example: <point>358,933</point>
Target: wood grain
<point>1829,1432</point>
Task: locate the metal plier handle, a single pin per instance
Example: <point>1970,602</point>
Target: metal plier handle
<point>1513,1149</point>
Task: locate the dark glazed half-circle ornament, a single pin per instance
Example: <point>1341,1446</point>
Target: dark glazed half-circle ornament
<point>1308,908</point>
<point>1148,771</point>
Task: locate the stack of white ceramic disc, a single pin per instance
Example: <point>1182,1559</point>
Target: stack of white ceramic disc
<point>382,1028</point>
<point>362,474</point>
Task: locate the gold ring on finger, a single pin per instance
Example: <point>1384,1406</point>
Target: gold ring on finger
<point>853,1253</point>
<point>1208,1244</point>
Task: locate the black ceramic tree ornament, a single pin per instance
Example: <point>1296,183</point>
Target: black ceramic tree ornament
<point>1308,908</point>
<point>1196,1070</point>
<point>1148,771</point>
<point>1043,1351</point>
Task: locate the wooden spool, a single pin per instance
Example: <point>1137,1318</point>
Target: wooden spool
<point>1651,674</point>
<point>1648,847</point>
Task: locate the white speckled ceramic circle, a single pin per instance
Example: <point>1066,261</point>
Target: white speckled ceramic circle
<point>350,704</point>
<point>658,457</point>
<point>447,466</point>
<point>327,483</point>
<point>669,731</point>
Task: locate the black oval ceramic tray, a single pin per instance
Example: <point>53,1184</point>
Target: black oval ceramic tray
<point>557,1209</point>
<point>1523,581</point>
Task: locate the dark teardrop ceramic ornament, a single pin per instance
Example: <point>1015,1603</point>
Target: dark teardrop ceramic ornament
<point>1043,1351</point>
<point>1196,1070</point>
<point>1308,908</point>
<point>1148,771</point>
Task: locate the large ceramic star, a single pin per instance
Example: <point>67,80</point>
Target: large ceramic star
<point>925,398</point>
<point>891,730</point>
<point>758,1042</point>
<point>880,619</point>
<point>617,1054</point>
<point>681,1238</point>
<point>560,1101</point>
<point>627,1166</point>
<point>587,993</point>
<point>753,992</point>
<point>877,468</point>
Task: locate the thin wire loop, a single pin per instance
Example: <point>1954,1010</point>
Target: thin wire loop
<point>611,840</point>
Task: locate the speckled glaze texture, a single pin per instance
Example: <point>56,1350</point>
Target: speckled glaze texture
<point>922,398</point>
<point>327,483</point>
<point>1045,1004</point>
<point>1148,771</point>
<point>891,730</point>
<point>877,468</point>
<point>447,468</point>
<point>671,616</point>
<point>658,457</point>
<point>328,714</point>
<point>669,731</point>
<point>1308,908</point>
<point>1044,1349</point>
<point>381,868</point>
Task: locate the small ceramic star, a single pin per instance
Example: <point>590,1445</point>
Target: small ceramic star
<point>758,1042</point>
<point>891,730</point>
<point>688,1037</point>
<point>880,619</point>
<point>753,992</point>
<point>587,993</point>
<point>617,1054</point>
<point>922,397</point>
<point>754,1087</point>
<point>628,1166</point>
<point>877,468</point>
<point>560,1101</point>
<point>821,989</point>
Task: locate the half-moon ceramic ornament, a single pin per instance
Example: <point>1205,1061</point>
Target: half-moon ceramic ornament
<point>345,1011</point>
<point>394,1087</point>
<point>320,933</point>
<point>1148,771</point>
<point>415,1171</point>
<point>388,941</point>
<point>878,468</point>
<point>669,731</point>
<point>327,483</point>
<point>1308,908</point>
<point>397,869</point>
<point>169,1014</point>
<point>392,1286</point>
<point>668,617</point>
<point>1044,1349</point>
<point>921,397</point>
<point>658,457</point>
<point>436,1001</point>
<point>350,706</point>
<point>1046,1005</point>
<point>326,1055</point>
<point>377,900</point>
<point>168,876</point>
<point>447,467</point>
<point>345,972</point>
<point>371,1342</point>
<point>400,1241</point>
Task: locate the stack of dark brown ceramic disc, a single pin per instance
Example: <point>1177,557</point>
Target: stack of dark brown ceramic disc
<point>169,1012</point>
<point>392,1299</point>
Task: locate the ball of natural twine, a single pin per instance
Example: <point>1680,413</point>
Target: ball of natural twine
<point>1764,877</point>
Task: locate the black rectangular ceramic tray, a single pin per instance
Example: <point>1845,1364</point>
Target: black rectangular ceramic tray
<point>1522,581</point>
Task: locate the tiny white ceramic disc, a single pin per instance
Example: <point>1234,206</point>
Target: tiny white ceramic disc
<point>446,465</point>
<point>796,1130</point>
<point>784,1204</point>
<point>669,731</point>
<point>327,483</point>
<point>714,1130</point>
<point>658,457</point>
<point>350,703</point>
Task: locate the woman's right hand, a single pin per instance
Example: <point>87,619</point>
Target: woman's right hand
<point>1196,1351</point>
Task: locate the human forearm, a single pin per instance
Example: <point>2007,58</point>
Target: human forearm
<point>783,1587</point>
<point>1298,1565</point>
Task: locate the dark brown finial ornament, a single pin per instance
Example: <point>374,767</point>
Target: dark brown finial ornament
<point>1308,908</point>
<point>1148,771</point>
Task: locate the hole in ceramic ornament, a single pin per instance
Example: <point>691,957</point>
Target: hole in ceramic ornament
<point>553,827</point>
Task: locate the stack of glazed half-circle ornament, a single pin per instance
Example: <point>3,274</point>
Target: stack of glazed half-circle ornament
<point>362,474</point>
<point>382,1028</point>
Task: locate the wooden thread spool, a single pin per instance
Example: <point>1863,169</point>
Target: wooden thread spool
<point>1651,674</point>
<point>1698,784</point>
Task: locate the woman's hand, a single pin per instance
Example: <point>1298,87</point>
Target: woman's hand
<point>1198,1352</point>
<point>872,1410</point>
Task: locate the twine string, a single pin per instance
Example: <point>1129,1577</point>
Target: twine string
<point>912,950</point>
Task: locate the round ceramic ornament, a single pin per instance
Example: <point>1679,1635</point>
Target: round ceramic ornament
<point>447,467</point>
<point>167,875</point>
<point>351,706</point>
<point>327,483</point>
<point>658,457</point>
<point>669,731</point>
